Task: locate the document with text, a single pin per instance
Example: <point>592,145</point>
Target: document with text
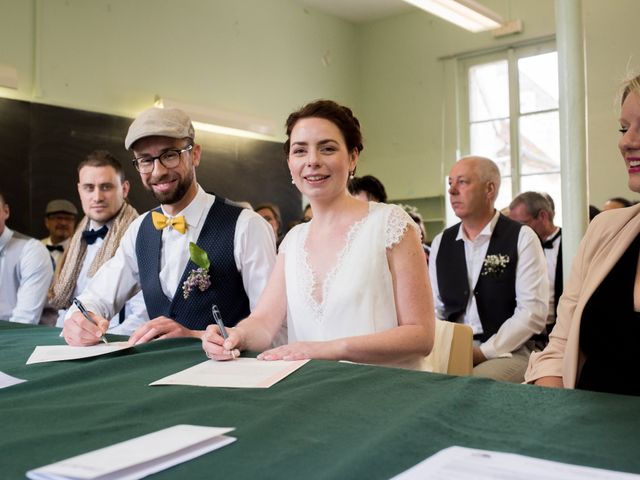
<point>460,463</point>
<point>138,457</point>
<point>238,373</point>
<point>56,353</point>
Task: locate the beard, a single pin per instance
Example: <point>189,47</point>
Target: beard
<point>175,195</point>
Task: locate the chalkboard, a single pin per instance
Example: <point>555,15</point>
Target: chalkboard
<point>41,146</point>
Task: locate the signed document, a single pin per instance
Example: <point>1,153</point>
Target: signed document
<point>56,353</point>
<point>460,463</point>
<point>239,373</point>
<point>138,457</point>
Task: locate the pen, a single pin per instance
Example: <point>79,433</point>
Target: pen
<point>218,318</point>
<point>86,315</point>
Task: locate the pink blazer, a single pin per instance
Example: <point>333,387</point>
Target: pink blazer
<point>607,238</point>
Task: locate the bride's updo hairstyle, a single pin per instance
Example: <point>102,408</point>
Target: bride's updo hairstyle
<point>342,117</point>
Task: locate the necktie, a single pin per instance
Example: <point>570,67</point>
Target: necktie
<point>90,236</point>
<point>53,248</point>
<point>549,243</point>
<point>160,222</point>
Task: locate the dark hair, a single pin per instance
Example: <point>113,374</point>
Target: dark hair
<point>102,158</point>
<point>275,210</point>
<point>535,203</point>
<point>621,200</point>
<point>342,117</point>
<point>369,184</point>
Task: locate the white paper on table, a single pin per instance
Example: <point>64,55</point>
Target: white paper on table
<point>238,373</point>
<point>8,380</point>
<point>460,463</point>
<point>138,457</point>
<point>56,353</point>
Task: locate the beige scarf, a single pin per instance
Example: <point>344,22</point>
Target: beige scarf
<point>66,276</point>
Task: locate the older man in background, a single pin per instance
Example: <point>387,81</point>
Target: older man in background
<point>489,272</point>
<point>60,219</point>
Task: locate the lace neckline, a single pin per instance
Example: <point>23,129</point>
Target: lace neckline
<point>310,278</point>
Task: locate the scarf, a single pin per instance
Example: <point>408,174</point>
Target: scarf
<point>67,272</point>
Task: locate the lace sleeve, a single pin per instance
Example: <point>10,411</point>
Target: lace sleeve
<point>397,224</point>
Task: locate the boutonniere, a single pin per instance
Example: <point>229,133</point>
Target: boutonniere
<point>494,265</point>
<point>199,277</point>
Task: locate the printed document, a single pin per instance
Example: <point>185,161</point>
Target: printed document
<point>139,457</point>
<point>8,380</point>
<point>238,373</point>
<point>459,463</point>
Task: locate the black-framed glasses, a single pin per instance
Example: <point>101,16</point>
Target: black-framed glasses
<point>168,159</point>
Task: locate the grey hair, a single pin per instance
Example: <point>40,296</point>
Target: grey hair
<point>534,202</point>
<point>487,170</point>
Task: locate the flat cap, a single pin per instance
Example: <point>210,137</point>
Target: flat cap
<point>59,205</point>
<point>161,122</point>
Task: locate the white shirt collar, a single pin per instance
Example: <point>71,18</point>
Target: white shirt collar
<point>486,231</point>
<point>195,210</point>
<point>552,234</point>
<point>5,237</point>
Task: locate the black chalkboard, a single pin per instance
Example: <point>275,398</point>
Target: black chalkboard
<point>41,146</point>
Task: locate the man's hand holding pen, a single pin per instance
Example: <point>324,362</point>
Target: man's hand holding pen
<point>78,331</point>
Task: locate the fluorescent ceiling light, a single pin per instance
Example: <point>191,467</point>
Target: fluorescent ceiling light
<point>219,121</point>
<point>467,14</point>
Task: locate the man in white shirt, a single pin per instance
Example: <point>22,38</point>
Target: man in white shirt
<point>103,190</point>
<point>489,272</point>
<point>228,265</point>
<point>537,210</point>
<point>60,220</point>
<point>25,273</point>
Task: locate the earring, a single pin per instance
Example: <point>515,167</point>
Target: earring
<point>351,174</point>
<point>292,181</point>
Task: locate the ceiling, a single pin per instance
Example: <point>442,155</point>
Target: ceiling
<point>359,11</point>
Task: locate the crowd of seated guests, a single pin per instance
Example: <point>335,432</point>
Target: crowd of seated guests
<point>500,272</point>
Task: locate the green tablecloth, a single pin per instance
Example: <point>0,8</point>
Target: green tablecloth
<point>327,420</point>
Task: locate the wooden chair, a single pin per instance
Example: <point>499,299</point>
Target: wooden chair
<point>453,349</point>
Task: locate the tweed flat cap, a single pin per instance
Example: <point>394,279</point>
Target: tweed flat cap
<point>161,122</point>
<point>59,205</point>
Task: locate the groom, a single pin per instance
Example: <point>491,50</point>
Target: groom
<point>155,255</point>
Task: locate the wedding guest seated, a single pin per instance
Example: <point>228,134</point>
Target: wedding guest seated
<point>489,272</point>
<point>537,211</point>
<point>616,202</point>
<point>368,188</point>
<point>271,213</point>
<point>594,343</point>
<point>60,220</point>
<point>348,283</point>
<point>25,273</point>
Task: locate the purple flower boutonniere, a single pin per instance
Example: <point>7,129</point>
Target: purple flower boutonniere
<point>198,277</point>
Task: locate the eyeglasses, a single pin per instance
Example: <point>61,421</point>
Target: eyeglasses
<point>168,159</point>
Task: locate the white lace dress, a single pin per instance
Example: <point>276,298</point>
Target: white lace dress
<point>357,296</point>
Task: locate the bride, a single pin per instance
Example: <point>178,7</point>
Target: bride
<point>351,283</point>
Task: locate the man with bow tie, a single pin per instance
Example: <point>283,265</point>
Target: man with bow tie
<point>25,273</point>
<point>194,251</point>
<point>537,210</point>
<point>103,190</point>
<point>60,220</point>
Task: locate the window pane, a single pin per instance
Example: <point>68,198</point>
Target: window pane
<point>545,183</point>
<point>539,143</point>
<point>538,80</point>
<point>504,194</point>
<point>489,91</point>
<point>491,140</point>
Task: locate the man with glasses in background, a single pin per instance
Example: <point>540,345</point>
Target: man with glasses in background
<point>195,251</point>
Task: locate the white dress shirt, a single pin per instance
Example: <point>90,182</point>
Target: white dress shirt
<point>135,309</point>
<point>25,275</point>
<point>56,255</point>
<point>532,289</point>
<point>118,279</point>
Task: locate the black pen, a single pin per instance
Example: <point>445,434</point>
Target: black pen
<point>86,315</point>
<point>218,318</point>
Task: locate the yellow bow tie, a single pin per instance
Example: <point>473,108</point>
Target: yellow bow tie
<point>160,222</point>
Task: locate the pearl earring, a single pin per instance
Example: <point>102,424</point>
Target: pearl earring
<point>292,181</point>
<point>351,175</point>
